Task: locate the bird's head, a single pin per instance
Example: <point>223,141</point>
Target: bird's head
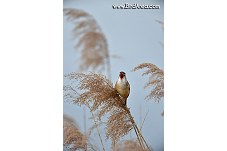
<point>122,74</point>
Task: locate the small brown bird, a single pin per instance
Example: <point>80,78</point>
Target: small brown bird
<point>123,87</point>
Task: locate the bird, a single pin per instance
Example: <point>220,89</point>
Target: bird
<point>122,86</point>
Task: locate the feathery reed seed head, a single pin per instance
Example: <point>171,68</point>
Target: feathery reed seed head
<point>98,91</point>
<point>156,80</point>
<point>129,145</point>
<point>90,39</point>
<point>73,139</point>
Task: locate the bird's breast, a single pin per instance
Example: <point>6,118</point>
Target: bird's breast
<point>122,88</point>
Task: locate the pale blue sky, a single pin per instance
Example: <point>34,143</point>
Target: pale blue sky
<point>135,36</point>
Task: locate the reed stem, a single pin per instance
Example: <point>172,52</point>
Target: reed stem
<point>96,126</point>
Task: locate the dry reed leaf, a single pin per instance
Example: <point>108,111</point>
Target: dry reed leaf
<point>162,114</point>
<point>156,80</point>
<point>130,145</point>
<point>99,92</point>
<point>90,40</point>
<point>73,139</point>
<point>161,23</point>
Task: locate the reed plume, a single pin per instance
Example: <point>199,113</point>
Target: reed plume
<point>98,92</point>
<point>73,139</point>
<point>130,145</point>
<point>156,80</point>
<point>90,40</point>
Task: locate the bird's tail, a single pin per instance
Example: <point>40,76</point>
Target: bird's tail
<point>124,100</point>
